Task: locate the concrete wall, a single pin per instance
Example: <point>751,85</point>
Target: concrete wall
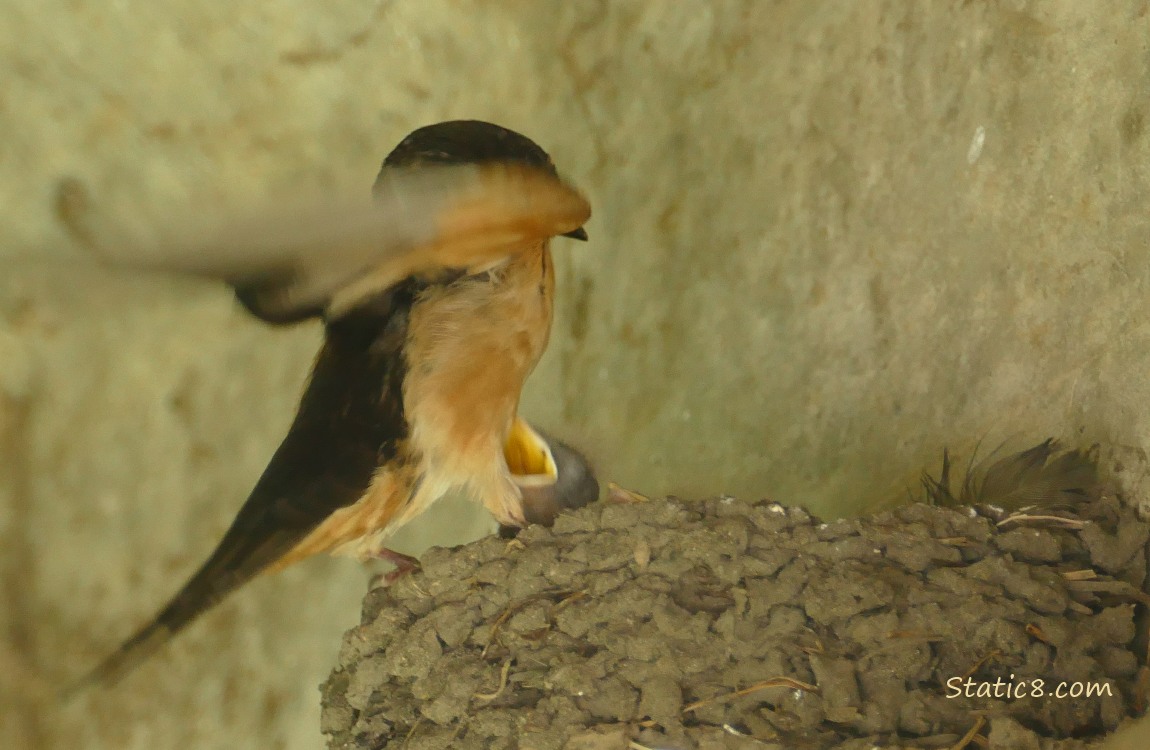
<point>829,239</point>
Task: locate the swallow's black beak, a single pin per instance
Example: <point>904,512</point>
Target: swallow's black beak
<point>578,234</point>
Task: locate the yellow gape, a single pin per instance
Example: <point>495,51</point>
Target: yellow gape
<point>529,458</point>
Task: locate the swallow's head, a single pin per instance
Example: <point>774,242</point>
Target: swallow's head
<point>469,142</point>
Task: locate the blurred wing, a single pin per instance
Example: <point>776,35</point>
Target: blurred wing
<point>321,254</point>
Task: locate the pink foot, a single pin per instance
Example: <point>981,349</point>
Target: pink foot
<point>404,564</point>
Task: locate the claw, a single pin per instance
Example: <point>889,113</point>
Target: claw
<point>404,564</point>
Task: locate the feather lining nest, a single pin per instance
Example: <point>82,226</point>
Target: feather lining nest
<point>1045,476</point>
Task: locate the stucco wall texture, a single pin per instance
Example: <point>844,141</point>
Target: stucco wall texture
<point>829,239</point>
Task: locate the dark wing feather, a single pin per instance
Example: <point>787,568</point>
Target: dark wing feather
<point>292,498</point>
<point>350,421</point>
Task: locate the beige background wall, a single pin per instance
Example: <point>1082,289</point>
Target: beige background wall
<point>829,238</point>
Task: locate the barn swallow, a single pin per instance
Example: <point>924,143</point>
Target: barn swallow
<point>436,302</point>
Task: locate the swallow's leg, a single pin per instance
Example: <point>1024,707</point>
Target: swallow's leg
<point>404,564</point>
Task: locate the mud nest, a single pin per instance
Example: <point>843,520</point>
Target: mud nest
<point>724,624</point>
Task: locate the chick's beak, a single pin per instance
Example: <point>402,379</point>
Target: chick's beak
<point>551,475</point>
<point>577,234</point>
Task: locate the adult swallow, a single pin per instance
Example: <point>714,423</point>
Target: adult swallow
<point>436,302</point>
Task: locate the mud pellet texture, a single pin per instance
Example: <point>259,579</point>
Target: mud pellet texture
<point>719,624</point>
